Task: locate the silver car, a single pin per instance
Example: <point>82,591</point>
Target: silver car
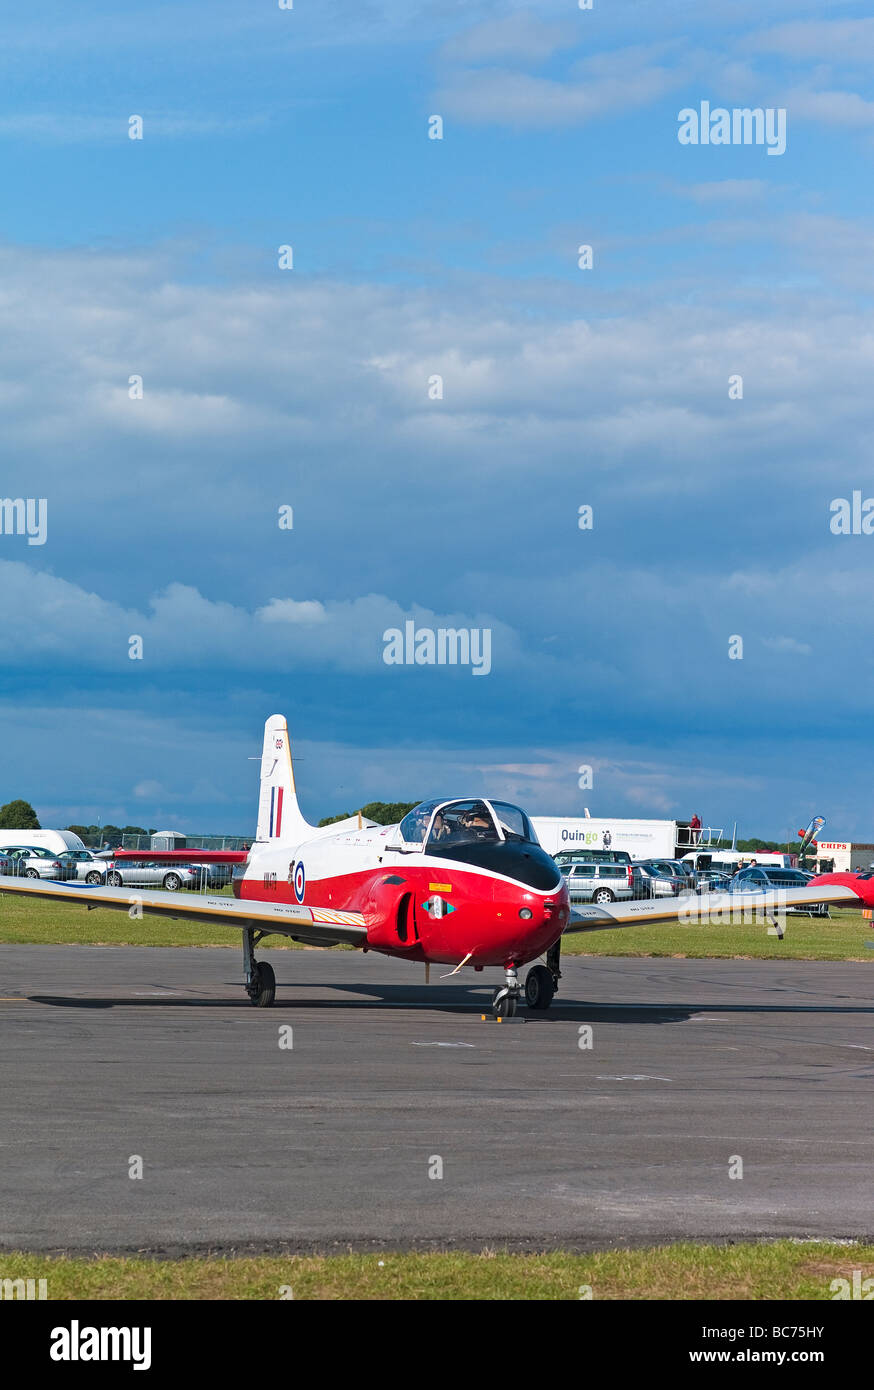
<point>598,883</point>
<point>674,868</point>
<point>649,883</point>
<point>147,875</point>
<point>213,875</point>
<point>86,865</point>
<point>32,861</point>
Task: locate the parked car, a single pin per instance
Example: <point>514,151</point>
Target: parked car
<point>86,865</point>
<point>213,875</point>
<point>172,877</point>
<point>598,883</point>
<point>649,883</point>
<point>765,878</point>
<point>713,881</point>
<point>5,862</point>
<point>592,856</point>
<point>674,868</point>
<point>32,861</point>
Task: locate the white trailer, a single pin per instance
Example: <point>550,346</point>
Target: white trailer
<point>642,839</point>
<point>54,840</point>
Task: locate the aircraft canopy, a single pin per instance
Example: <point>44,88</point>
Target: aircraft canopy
<point>437,823</point>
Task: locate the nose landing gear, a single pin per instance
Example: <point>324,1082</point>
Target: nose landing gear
<point>505,999</point>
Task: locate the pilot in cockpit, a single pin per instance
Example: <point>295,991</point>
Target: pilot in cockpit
<point>478,823</point>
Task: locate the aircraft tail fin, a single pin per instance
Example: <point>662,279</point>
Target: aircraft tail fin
<point>279,817</point>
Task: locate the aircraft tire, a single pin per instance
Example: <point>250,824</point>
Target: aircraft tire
<point>503,1004</point>
<point>539,987</point>
<point>265,980</point>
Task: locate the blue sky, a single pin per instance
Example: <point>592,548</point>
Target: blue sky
<point>309,388</point>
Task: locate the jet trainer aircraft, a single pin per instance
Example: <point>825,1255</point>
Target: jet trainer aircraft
<point>458,882</point>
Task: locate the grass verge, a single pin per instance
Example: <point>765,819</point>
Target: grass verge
<point>839,937</point>
<point>781,1270</point>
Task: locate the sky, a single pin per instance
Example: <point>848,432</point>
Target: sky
<point>311,387</point>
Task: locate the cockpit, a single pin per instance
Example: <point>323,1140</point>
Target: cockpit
<point>435,825</point>
<point>490,835</point>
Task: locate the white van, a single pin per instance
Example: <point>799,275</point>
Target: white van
<point>727,860</point>
<point>55,840</point>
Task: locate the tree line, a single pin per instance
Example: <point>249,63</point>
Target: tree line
<point>383,812</point>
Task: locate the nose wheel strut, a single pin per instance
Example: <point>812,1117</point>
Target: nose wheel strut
<point>506,998</point>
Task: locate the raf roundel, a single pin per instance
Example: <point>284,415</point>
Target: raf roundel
<point>299,882</point>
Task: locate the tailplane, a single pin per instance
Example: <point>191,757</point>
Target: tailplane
<point>279,817</point>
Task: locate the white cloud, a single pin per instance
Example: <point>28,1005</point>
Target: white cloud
<point>518,34</point>
<point>73,127</point>
<point>788,644</point>
<point>619,82</point>
<point>288,610</point>
<point>841,40</point>
<point>830,108</point>
<point>50,619</point>
<point>730,191</point>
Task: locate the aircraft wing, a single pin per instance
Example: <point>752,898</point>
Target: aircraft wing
<point>724,908</point>
<point>316,926</point>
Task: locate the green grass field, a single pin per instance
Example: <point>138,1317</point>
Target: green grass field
<point>841,937</point>
<point>781,1270</point>
<point>34,922</point>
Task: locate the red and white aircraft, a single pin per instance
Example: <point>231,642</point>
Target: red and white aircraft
<point>458,882</point>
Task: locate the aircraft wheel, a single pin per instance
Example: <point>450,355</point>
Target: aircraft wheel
<point>539,987</point>
<point>262,990</point>
<point>503,1003</point>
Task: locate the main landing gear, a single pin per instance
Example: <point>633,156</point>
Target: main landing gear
<point>541,982</point>
<point>260,979</point>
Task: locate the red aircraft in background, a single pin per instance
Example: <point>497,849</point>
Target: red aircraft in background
<point>460,882</point>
